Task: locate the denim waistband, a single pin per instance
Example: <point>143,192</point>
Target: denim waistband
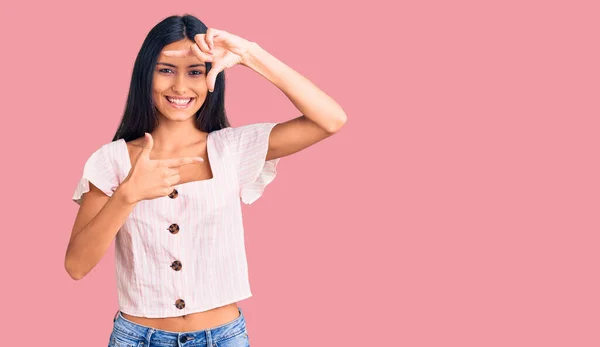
<point>189,338</point>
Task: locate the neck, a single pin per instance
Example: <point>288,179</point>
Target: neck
<point>172,135</point>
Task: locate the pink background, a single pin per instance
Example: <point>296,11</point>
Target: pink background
<point>458,207</point>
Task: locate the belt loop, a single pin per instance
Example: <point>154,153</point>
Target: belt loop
<point>115,318</point>
<point>209,338</point>
<point>149,333</point>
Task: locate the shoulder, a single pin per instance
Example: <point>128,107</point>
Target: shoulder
<point>245,129</point>
<point>237,138</point>
<point>107,154</point>
<point>112,149</point>
<point>100,169</point>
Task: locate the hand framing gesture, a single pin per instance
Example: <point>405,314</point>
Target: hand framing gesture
<point>219,47</point>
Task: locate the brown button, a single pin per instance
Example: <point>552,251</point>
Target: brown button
<point>174,228</point>
<point>174,194</point>
<point>176,265</point>
<point>180,304</point>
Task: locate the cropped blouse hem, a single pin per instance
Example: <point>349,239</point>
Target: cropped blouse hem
<point>131,310</point>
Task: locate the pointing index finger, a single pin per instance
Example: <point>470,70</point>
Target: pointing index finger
<point>178,53</point>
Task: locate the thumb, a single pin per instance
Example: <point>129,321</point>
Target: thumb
<point>211,77</point>
<point>148,144</point>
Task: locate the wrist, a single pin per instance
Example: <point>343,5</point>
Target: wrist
<point>125,194</point>
<point>250,54</point>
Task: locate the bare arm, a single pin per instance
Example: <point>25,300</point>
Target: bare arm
<point>321,115</point>
<point>99,219</point>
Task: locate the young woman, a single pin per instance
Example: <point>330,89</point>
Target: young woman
<point>169,185</point>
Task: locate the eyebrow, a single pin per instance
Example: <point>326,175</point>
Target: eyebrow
<point>171,65</point>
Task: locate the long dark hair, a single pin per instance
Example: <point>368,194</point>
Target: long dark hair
<point>140,115</point>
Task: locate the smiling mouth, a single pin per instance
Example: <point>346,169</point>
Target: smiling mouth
<point>179,102</point>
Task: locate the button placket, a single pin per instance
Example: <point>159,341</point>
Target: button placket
<point>176,265</point>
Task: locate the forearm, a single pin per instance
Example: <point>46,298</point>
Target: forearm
<point>308,99</point>
<point>88,246</point>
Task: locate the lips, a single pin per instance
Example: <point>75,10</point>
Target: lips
<point>179,102</point>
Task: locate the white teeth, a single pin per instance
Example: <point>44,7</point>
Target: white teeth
<point>179,101</point>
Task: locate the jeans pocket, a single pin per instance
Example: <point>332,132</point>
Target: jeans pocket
<point>122,339</point>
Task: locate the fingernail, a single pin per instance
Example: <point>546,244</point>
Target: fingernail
<point>200,159</point>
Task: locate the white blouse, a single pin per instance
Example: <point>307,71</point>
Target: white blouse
<point>185,252</point>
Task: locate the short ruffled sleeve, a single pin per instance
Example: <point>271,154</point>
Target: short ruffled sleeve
<point>251,142</point>
<point>98,170</point>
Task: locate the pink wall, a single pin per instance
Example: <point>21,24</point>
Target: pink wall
<point>457,207</point>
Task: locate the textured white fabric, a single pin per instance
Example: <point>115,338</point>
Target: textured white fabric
<point>209,243</point>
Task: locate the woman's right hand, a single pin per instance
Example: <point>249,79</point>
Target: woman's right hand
<point>151,179</point>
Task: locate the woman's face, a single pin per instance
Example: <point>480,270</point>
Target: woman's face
<point>179,84</point>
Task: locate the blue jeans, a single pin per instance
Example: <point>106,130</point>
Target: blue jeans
<point>129,334</point>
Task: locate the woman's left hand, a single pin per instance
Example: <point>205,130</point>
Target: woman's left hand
<point>221,48</point>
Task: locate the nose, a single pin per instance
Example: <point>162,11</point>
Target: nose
<point>179,86</point>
